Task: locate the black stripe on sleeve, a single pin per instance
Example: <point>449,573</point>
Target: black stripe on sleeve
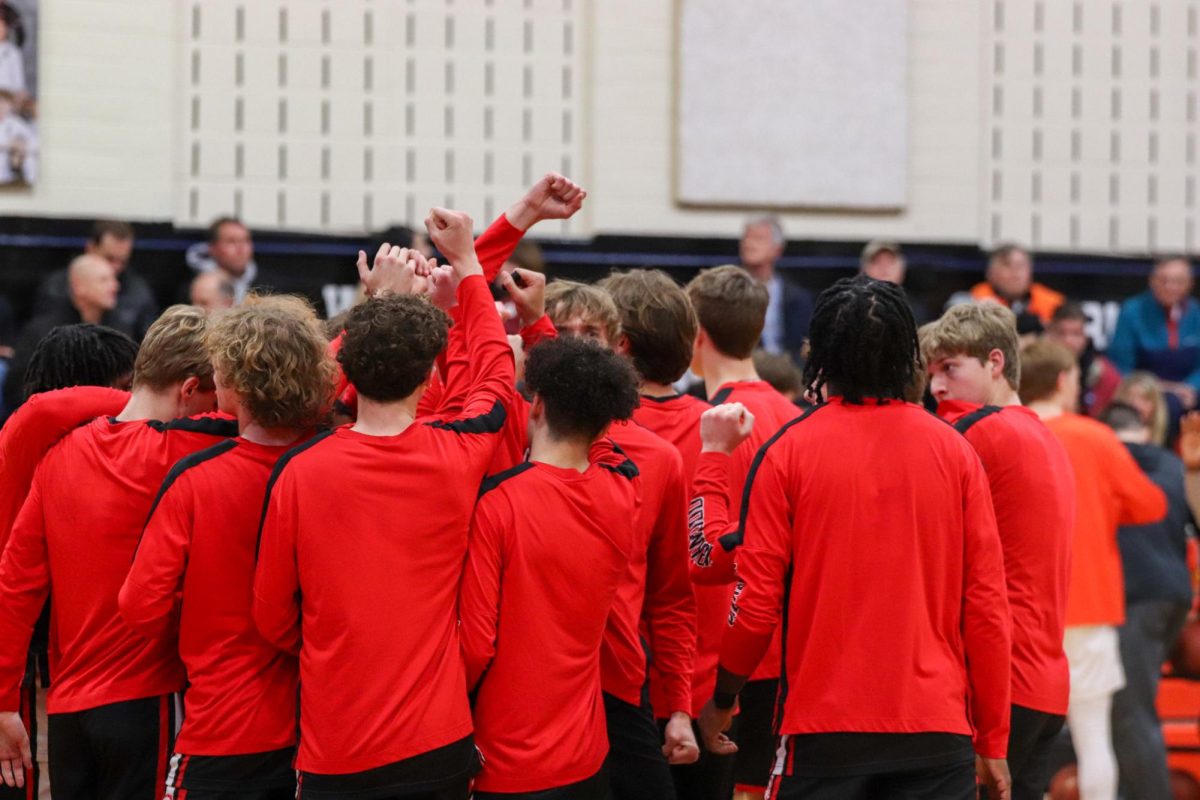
<point>493,481</point>
<point>279,465</point>
<point>182,466</point>
<point>964,424</point>
<point>491,422</point>
<point>213,426</point>
<point>731,540</point>
<point>721,396</point>
<point>626,468</point>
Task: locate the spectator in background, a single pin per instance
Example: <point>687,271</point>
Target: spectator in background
<point>136,309</point>
<point>1159,331</point>
<point>1140,391</point>
<point>1010,283</point>
<point>93,288</point>
<point>790,307</point>
<point>884,261</point>
<point>1158,595</point>
<point>1098,378</point>
<point>1110,491</point>
<point>211,291</point>
<point>229,250</point>
<point>780,372</point>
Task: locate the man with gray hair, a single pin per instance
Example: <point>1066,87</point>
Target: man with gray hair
<point>790,307</point>
<point>884,261</point>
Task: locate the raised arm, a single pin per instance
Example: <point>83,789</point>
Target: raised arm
<point>712,539</point>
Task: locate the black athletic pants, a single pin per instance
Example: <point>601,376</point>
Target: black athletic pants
<point>118,750</point>
<point>1030,740</point>
<point>939,783</point>
<point>637,769</point>
<point>710,778</point>
<point>756,737</point>
<point>593,788</point>
<point>441,774</point>
<point>254,776</point>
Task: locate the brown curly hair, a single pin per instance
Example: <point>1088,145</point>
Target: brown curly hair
<point>271,352</point>
<point>390,344</point>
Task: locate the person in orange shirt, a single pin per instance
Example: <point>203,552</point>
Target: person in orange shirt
<point>1009,281</point>
<point>1110,491</point>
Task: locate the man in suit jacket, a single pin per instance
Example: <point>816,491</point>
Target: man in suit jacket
<point>790,307</point>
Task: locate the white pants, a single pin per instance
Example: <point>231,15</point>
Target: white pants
<point>1096,674</point>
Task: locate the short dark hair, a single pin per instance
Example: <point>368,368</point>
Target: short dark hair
<point>79,355</point>
<point>862,341</point>
<point>214,230</point>
<point>1069,311</point>
<point>731,307</point>
<point>658,322</point>
<point>1042,363</point>
<point>1123,417</point>
<point>583,385</point>
<point>779,371</point>
<point>390,345</point>
<point>115,228</point>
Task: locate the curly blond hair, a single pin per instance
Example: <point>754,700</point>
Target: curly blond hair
<point>271,352</point>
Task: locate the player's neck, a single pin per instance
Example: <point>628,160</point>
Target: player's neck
<point>146,403</point>
<point>561,453</point>
<point>650,389</point>
<point>385,419</point>
<point>720,370</point>
<point>252,431</point>
<point>1003,395</point>
<point>1048,408</point>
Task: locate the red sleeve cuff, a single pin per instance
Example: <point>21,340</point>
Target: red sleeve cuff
<point>742,650</point>
<point>538,331</point>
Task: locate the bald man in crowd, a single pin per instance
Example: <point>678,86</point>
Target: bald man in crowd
<point>212,291</point>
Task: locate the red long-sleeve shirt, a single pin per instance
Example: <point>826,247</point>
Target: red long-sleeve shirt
<point>362,545</point>
<point>1033,493</point>
<point>870,527</point>
<point>34,428</point>
<point>194,569</point>
<point>77,533</point>
<point>655,589</point>
<point>549,547</point>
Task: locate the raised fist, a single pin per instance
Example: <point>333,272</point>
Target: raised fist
<point>552,197</point>
<point>451,232</point>
<point>724,427</point>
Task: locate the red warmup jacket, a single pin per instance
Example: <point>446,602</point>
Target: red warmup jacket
<point>1033,493</point>
<point>655,591</point>
<point>194,570</point>
<point>493,247</point>
<point>549,547</point>
<point>362,547</point>
<point>77,533</point>
<point>34,428</point>
<point>870,529</point>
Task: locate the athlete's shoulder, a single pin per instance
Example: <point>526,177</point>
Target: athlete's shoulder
<point>316,450</point>
<point>504,480</point>
<point>205,424</point>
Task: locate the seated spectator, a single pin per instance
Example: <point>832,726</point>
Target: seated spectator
<point>1010,282</point>
<point>1097,376</point>
<point>212,291</point>
<point>136,308</point>
<point>790,308</point>
<point>1140,391</point>
<point>230,250</point>
<point>1159,331</point>
<point>884,261</point>
<point>93,291</point>
<point>1158,596</point>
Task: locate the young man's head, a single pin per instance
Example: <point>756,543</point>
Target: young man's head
<point>972,354</point>
<point>1127,422</point>
<point>862,342</point>
<point>883,261</point>
<point>93,284</point>
<point>81,355</point>
<point>761,246</point>
<point>1171,280</point>
<point>1050,375</point>
<point>173,361</point>
<point>731,308</point>
<point>112,240</point>
<point>578,309</point>
<point>270,362</point>
<point>1010,272</point>
<point>780,372</point>
<point>1068,327</point>
<point>658,324</point>
<point>579,388</point>
<point>230,245</point>
<point>390,345</point>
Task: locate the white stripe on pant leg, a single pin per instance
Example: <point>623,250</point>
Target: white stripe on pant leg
<point>175,760</point>
<point>777,769</point>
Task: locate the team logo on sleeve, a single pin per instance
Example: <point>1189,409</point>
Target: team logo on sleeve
<point>699,549</point>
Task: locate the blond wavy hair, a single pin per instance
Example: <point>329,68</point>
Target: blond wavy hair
<point>174,350</point>
<point>1145,385</point>
<point>271,352</point>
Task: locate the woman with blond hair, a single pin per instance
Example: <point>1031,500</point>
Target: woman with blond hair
<point>1141,390</point>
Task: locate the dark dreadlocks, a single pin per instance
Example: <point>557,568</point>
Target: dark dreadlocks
<point>862,341</point>
<point>79,355</point>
